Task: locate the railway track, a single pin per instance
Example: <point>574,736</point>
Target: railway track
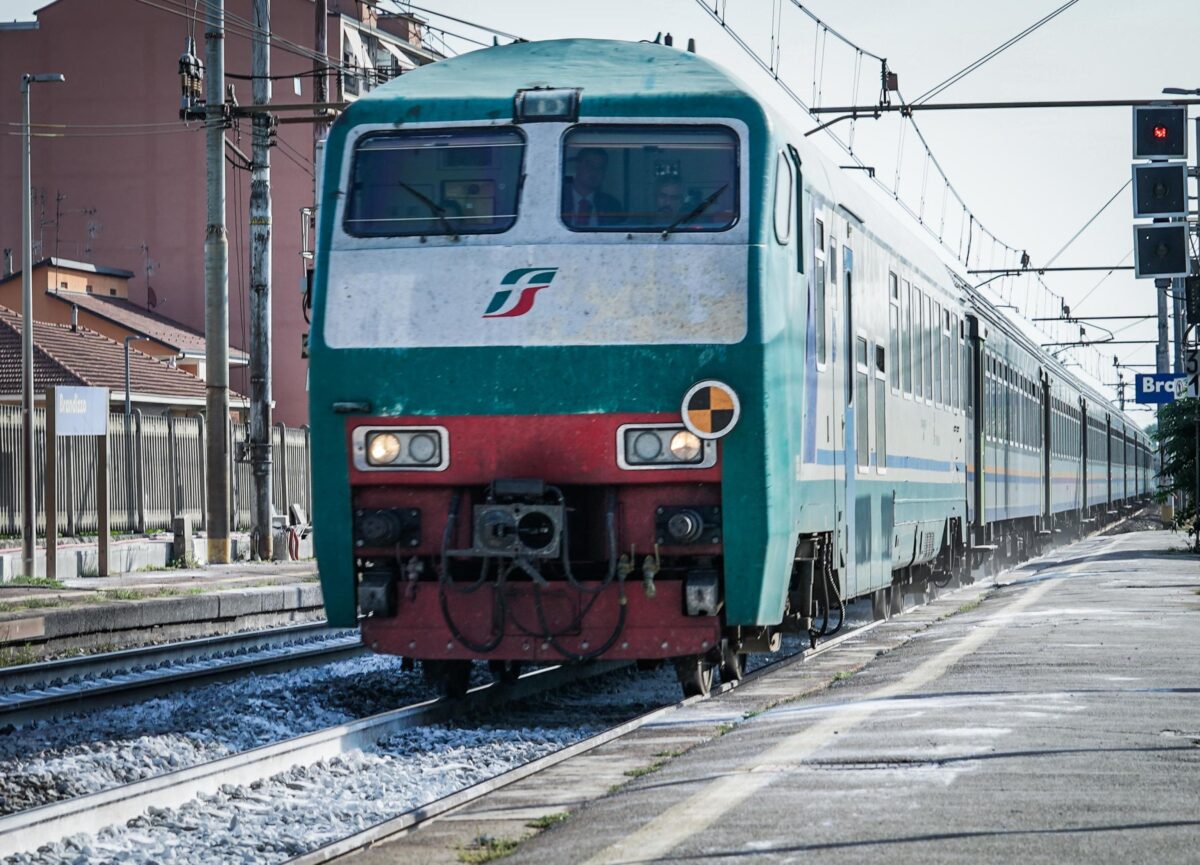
<point>117,805</point>
<point>34,692</point>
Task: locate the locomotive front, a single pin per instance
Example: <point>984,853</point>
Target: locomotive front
<point>530,355</point>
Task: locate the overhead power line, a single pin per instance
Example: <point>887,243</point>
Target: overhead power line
<point>995,52</point>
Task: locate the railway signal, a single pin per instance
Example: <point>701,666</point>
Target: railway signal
<point>1160,189</point>
<point>1161,250</point>
<point>1159,132</point>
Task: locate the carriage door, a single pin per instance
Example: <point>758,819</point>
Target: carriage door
<point>853,416</point>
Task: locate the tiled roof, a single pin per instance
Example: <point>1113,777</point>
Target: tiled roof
<point>136,318</point>
<point>84,357</point>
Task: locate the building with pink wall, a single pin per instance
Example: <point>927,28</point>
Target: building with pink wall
<point>119,179</point>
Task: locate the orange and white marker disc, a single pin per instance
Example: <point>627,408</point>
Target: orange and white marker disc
<point>711,409</point>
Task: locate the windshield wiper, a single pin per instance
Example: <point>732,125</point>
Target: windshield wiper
<point>695,211</point>
<point>436,209</point>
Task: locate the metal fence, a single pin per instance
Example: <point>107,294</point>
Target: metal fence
<point>156,472</point>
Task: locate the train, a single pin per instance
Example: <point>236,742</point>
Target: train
<point>608,362</point>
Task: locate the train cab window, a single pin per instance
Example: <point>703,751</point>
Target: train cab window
<point>449,182</point>
<point>833,261</point>
<point>652,178</point>
<point>783,198</point>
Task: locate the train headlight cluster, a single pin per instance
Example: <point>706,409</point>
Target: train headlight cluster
<point>662,446</point>
<point>409,448</point>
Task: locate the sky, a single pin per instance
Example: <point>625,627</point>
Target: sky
<point>1032,178</point>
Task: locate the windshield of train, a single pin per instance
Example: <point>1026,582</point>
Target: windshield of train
<point>464,181</point>
<point>650,178</point>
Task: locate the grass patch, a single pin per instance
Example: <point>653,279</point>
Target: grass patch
<point>843,675</point>
<point>34,583</point>
<point>548,820</point>
<point>668,754</point>
<point>970,605</point>
<point>15,656</point>
<point>722,729</point>
<point>32,604</point>
<point>487,848</point>
<point>640,771</point>
<point>122,595</point>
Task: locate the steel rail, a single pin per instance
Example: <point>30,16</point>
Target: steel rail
<point>23,830</point>
<point>50,688</point>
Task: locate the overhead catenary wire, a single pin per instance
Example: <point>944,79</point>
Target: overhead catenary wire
<point>995,52</point>
<point>972,234</point>
<point>1088,224</point>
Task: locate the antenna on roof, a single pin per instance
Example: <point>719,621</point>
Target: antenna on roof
<point>691,45</point>
<point>668,40</point>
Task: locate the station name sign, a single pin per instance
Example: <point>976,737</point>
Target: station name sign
<point>80,411</point>
<point>1160,387</point>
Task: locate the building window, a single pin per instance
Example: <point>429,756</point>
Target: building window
<point>89,289</point>
<point>113,292</point>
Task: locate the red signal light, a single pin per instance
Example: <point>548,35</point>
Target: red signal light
<point>1159,131</point>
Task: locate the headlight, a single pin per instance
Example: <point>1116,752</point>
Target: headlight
<point>647,446</point>
<point>423,448</point>
<point>383,449</point>
<point>396,447</point>
<point>685,445</point>
<point>662,446</point>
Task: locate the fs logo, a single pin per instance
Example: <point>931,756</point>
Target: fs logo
<point>523,284</point>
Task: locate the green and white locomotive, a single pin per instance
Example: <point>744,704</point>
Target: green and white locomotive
<point>607,362</point>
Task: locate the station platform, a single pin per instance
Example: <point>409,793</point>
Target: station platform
<point>41,619</point>
<point>1049,718</point>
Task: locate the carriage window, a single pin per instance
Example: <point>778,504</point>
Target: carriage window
<point>935,340</point>
<point>894,328</point>
<point>862,433</point>
<point>881,408</point>
<point>818,285</point>
<point>783,199</point>
<point>651,178</point>
<point>462,181</point>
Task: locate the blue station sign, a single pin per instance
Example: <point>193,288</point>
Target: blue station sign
<point>80,411</point>
<point>1159,387</point>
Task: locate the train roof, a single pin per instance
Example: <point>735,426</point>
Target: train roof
<point>493,75</point>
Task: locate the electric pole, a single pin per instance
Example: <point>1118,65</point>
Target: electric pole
<point>320,73</point>
<point>216,292</point>
<point>260,286</point>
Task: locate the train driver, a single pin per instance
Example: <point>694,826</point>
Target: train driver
<point>584,203</point>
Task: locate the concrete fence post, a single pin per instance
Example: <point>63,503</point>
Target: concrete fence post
<point>203,473</point>
<point>284,467</point>
<point>140,473</point>
<point>174,493</point>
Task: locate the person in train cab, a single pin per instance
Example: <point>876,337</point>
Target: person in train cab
<point>668,199</point>
<point>584,203</point>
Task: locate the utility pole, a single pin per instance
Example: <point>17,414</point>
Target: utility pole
<point>216,292</point>
<point>1162,355</point>
<point>28,500</point>
<point>260,286</point>
<point>1177,322</point>
<point>320,75</point>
